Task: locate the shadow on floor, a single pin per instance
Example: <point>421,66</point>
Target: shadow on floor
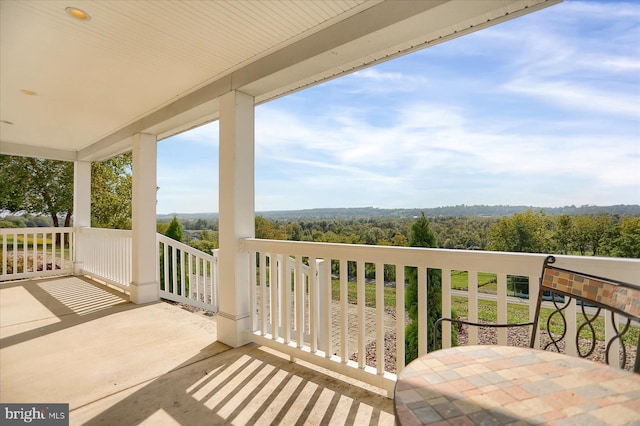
<point>245,386</point>
<point>60,303</point>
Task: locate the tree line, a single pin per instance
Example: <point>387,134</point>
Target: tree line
<point>445,211</point>
<point>610,235</point>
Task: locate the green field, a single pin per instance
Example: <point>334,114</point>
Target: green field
<point>487,310</point>
<point>20,242</point>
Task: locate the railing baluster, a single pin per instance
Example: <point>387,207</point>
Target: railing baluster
<point>253,305</point>
<point>326,297</point>
<point>4,259</point>
<point>165,265</point>
<point>446,308</point>
<point>314,306</point>
<point>472,288</point>
<point>300,293</point>
<point>207,286</point>
<point>182,268</point>
<point>534,288</point>
<point>35,251</point>
<point>273,277</point>
<point>380,346</point>
<point>501,304</point>
<point>285,284</point>
<point>422,309</point>
<point>198,279</point>
<point>400,323</point>
<point>25,254</point>
<point>263,293</point>
<point>344,311</point>
<point>362,315</point>
<point>45,250</point>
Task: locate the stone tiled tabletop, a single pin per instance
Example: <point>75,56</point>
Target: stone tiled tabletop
<point>504,385</point>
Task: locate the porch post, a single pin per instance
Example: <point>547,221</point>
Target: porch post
<point>237,214</point>
<point>81,210</point>
<point>144,285</point>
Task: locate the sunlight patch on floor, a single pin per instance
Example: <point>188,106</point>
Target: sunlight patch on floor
<point>81,297</point>
<point>249,390</point>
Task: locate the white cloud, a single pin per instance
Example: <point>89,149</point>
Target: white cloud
<point>378,76</point>
<point>575,96</point>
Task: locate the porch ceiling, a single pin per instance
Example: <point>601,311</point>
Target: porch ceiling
<point>159,66</point>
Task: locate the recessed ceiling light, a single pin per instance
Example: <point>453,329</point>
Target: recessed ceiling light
<point>28,92</point>
<point>5,122</point>
<point>78,13</point>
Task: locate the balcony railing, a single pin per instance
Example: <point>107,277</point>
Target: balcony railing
<point>300,301</point>
<point>106,255</point>
<point>31,252</point>
<point>299,316</point>
<point>187,275</point>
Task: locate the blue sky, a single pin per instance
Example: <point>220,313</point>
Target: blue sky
<point>543,110</point>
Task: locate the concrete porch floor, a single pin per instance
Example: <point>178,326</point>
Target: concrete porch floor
<point>73,340</point>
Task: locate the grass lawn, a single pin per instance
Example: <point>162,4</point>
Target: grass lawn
<point>487,310</point>
<point>486,281</point>
<point>19,243</point>
<point>369,293</point>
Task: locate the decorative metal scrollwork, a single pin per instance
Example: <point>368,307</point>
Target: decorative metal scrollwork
<point>588,323</point>
<point>559,310</point>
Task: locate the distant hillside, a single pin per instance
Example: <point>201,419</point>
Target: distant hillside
<point>456,211</point>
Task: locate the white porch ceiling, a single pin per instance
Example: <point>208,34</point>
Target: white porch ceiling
<point>159,66</point>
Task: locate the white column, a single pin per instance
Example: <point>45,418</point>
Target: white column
<point>81,209</point>
<point>237,214</point>
<point>144,286</point>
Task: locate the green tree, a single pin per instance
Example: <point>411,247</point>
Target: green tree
<point>399,240</point>
<point>268,230</point>
<point>603,223</point>
<point>522,232</point>
<point>174,231</point>
<point>627,243</point>
<point>111,193</point>
<point>422,236</point>
<point>562,234</point>
<point>37,185</point>
<point>41,186</point>
<point>582,231</point>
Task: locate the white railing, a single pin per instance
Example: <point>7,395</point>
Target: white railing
<point>35,252</point>
<point>187,275</point>
<point>299,316</point>
<point>106,255</point>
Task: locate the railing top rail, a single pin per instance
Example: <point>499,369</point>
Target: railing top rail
<point>528,264</point>
<point>32,230</point>
<point>106,231</point>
